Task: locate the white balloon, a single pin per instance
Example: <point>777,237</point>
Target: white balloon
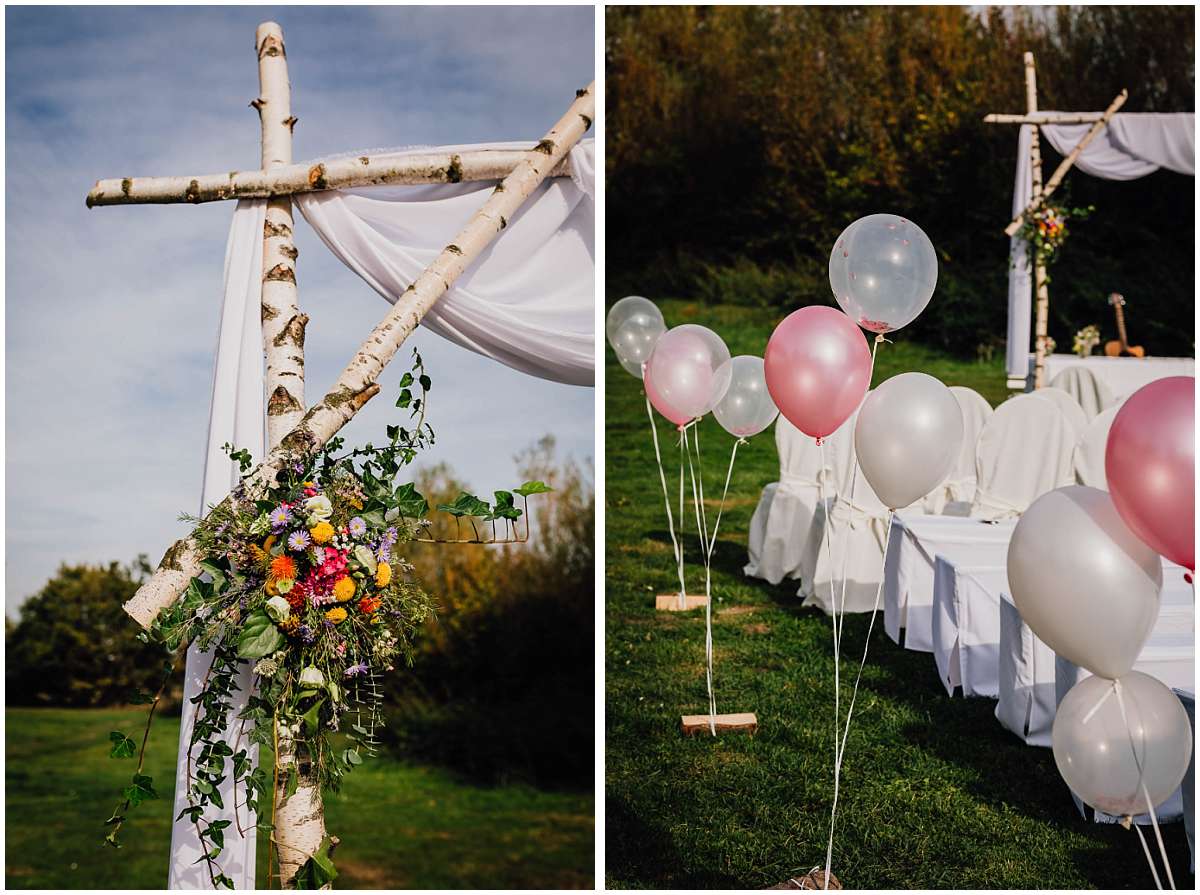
<point>687,372</point>
<point>907,437</point>
<point>1082,581</point>
<point>1096,756</point>
<point>883,271</point>
<point>747,407</point>
<point>632,327</point>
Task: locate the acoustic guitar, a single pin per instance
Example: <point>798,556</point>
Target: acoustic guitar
<point>1121,347</point>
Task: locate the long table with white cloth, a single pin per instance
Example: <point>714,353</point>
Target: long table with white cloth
<point>1121,375</point>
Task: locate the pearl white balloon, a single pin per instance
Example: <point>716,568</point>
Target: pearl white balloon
<point>1096,757</point>
<point>1082,581</point>
<point>747,407</point>
<point>907,437</point>
<point>632,327</point>
<point>883,271</point>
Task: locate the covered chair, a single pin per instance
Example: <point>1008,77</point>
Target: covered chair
<point>1070,408</point>
<point>1085,387</point>
<point>847,538</point>
<point>1089,450</point>
<point>779,528</point>
<point>959,487</point>
<point>1024,450</point>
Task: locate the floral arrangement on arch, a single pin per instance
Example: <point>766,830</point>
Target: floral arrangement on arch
<point>307,581</point>
<point>1046,229</point>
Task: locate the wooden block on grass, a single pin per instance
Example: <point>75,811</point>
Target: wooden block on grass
<point>741,721</point>
<point>670,602</point>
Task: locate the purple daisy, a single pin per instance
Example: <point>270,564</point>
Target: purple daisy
<point>358,527</point>
<point>360,668</point>
<point>299,540</point>
<point>280,518</point>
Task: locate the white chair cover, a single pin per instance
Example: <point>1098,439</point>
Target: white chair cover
<point>782,520</point>
<point>1089,451</point>
<point>1188,698</point>
<point>959,487</point>
<point>966,625</point>
<point>1085,387</point>
<point>1070,408</point>
<point>1024,451</point>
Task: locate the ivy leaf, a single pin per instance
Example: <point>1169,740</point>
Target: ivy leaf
<point>426,382</point>
<point>312,718</point>
<point>218,576</point>
<point>140,697</point>
<point>141,790</point>
<point>259,637</point>
<point>533,488</point>
<point>405,398</point>
<point>293,783</point>
<point>318,871</point>
<point>406,380</point>
<point>123,746</point>
<point>465,505</point>
<point>410,502</point>
<point>504,508</point>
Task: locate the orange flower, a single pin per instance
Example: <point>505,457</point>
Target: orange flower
<point>283,567</point>
<point>369,604</point>
<point>290,625</point>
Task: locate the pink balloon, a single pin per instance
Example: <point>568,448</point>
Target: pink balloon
<point>818,368</point>
<point>687,373</point>
<point>1150,462</point>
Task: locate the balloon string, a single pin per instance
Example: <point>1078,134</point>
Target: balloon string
<point>1162,850</point>
<point>721,508</point>
<point>666,498</point>
<point>702,528</point>
<point>1146,850</point>
<point>837,686</point>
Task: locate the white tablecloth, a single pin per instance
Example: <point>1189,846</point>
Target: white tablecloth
<point>966,625</point>
<point>908,567</point>
<point>1121,375</point>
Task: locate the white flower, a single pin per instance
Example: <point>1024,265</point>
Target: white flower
<point>266,667</point>
<point>318,509</point>
<point>278,609</point>
<point>312,676</point>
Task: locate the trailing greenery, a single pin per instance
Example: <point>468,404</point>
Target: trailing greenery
<point>935,794</point>
<point>741,140</point>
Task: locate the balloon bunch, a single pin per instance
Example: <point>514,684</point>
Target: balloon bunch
<point>1085,571</point>
<point>688,372</point>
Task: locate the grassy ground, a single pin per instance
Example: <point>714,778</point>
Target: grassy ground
<point>402,826</point>
<point>935,793</point>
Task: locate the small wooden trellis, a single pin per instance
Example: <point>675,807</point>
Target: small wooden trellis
<point>293,430</point>
<point>1098,120</point>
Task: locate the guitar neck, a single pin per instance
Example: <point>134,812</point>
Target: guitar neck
<point>1120,312</point>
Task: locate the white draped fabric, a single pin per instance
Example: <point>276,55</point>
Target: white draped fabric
<point>1085,387</point>
<point>528,302</point>
<point>966,624</point>
<point>1071,411</point>
<point>1089,451</point>
<point>1024,451</point>
<point>1120,376</point>
<point>1132,146</point>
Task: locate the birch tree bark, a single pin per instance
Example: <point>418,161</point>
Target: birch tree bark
<point>357,383</point>
<point>286,180</point>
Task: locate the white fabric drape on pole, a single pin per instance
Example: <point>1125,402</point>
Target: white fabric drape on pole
<point>1133,145</point>
<point>527,302</point>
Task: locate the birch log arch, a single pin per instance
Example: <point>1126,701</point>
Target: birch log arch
<point>294,432</point>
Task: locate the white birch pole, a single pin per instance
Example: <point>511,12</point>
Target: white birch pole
<point>1042,315</point>
<point>408,169</point>
<point>283,324</point>
<point>357,383</point>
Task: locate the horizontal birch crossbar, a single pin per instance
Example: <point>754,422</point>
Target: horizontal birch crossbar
<point>1044,118</point>
<point>357,383</point>
<point>288,180</point>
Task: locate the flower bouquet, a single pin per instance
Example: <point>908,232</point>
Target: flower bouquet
<point>1086,339</point>
<point>1046,230</point>
<point>308,582</point>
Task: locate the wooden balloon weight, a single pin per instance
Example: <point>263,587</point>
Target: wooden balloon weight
<point>740,722</point>
<point>672,603</point>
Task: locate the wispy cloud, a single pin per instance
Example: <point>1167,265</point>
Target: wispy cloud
<point>112,313</point>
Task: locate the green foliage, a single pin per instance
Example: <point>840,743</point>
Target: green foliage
<point>317,870</point>
<point>259,637</point>
<point>73,645</point>
<point>123,746</point>
<point>742,140</point>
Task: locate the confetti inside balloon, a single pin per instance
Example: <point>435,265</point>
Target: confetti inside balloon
<point>883,271</point>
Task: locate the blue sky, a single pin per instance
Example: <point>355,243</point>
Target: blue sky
<point>111,314</point>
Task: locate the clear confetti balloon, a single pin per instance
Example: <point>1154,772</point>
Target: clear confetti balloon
<point>633,326</point>
<point>883,271</point>
<point>747,407</point>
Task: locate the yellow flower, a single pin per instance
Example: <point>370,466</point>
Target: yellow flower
<point>290,625</point>
<point>337,615</point>
<point>383,575</point>
<point>321,533</point>
<point>268,543</point>
<point>271,590</point>
<point>356,503</point>
<point>343,590</point>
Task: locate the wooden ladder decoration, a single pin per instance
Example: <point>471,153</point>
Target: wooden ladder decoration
<point>293,431</point>
<point>1098,120</point>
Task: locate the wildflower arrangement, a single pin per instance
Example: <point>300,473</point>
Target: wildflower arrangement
<point>1086,339</point>
<point>308,585</point>
<point>1046,229</point>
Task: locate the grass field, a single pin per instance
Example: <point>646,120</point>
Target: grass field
<point>934,794</point>
<point>401,826</point>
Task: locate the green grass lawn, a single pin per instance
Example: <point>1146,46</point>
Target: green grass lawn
<point>934,794</point>
<point>401,826</point>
